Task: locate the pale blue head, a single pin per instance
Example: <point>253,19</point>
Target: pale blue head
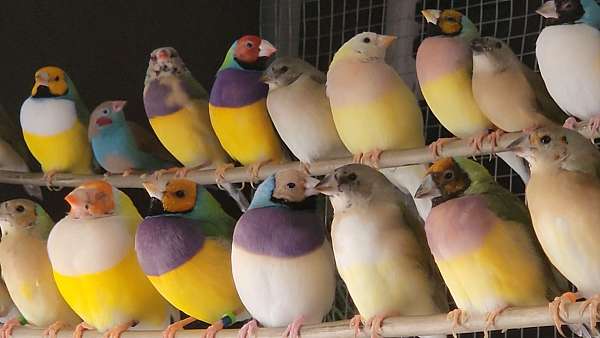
<point>107,116</point>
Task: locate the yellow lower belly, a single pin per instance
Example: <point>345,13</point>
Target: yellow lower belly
<point>450,98</point>
<point>391,122</point>
<point>68,151</point>
<point>114,296</point>
<point>246,133</point>
<point>203,286</point>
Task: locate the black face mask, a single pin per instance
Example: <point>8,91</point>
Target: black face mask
<point>156,207</point>
<point>309,203</point>
<point>569,11</point>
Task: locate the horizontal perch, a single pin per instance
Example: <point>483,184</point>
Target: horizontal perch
<point>389,159</point>
<point>514,318</point>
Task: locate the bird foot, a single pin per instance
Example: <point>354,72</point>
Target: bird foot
<point>249,329</point>
<point>355,324</point>
<point>357,158</point>
<point>8,327</point>
<point>476,142</point>
<point>531,129</point>
<point>158,174</point>
<point>293,330</point>
<point>570,123</point>
<point>592,303</point>
<point>558,311</point>
<point>211,331</point>
<point>127,172</point>
<point>170,331</point>
<point>371,158</point>
<point>458,318</point>
<point>220,173</point>
<point>436,147</point>
<point>490,320</point>
<point>52,330</point>
<point>182,172</point>
<point>254,169</point>
<point>115,332</point>
<point>305,167</point>
<point>375,323</point>
<point>594,124</point>
<point>48,178</point>
<point>80,328</point>
<point>494,137</point>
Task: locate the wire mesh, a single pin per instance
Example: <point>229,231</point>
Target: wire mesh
<point>322,26</point>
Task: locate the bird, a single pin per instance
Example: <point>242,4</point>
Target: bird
<point>177,107</point>
<point>95,266</point>
<point>238,109</point>
<point>8,310</point>
<point>481,237</point>
<point>184,248</point>
<point>373,109</point>
<point>26,269</point>
<point>380,248</point>
<point>510,94</point>
<point>300,110</point>
<point>444,64</point>
<point>54,120</point>
<point>11,160</point>
<point>567,50</point>
<point>121,147</point>
<point>282,262</point>
<point>563,196</point>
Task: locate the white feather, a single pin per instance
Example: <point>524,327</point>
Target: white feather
<point>47,117</point>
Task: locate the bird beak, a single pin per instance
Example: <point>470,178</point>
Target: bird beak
<point>118,105</point>
<point>386,40</point>
<point>266,49</point>
<point>309,186</point>
<point>153,190</point>
<point>265,77</point>
<point>328,185</point>
<point>521,146</point>
<point>431,15</point>
<point>428,189</point>
<point>548,10</point>
<point>103,121</point>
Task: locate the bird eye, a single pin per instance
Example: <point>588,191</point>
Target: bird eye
<point>153,57</point>
<point>284,69</point>
<point>545,139</point>
<point>352,177</point>
<point>448,175</point>
<point>249,44</point>
<point>498,45</point>
<point>105,112</point>
<point>291,185</point>
<point>180,193</point>
<point>56,78</point>
<point>20,208</point>
<point>366,40</point>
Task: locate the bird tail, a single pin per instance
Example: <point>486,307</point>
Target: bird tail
<point>517,164</point>
<point>581,330</point>
<point>237,195</point>
<point>34,191</point>
<point>408,179</point>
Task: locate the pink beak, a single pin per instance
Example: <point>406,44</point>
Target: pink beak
<point>103,121</point>
<point>266,49</point>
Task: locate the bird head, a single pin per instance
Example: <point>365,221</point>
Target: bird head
<point>165,61</point>
<point>92,200</point>
<point>249,52</point>
<point>445,179</point>
<point>50,81</point>
<point>365,47</point>
<point>491,55</point>
<point>449,22</point>
<point>288,188</point>
<point>285,70</point>
<point>24,215</point>
<point>106,115</point>
<point>562,11</point>
<point>175,196</point>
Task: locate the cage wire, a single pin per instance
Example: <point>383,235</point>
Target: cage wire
<point>314,29</point>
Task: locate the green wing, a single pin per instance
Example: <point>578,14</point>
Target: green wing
<point>196,91</point>
<point>550,109</point>
<point>215,221</point>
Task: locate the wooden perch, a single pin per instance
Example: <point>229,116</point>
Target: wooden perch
<point>514,318</point>
<point>388,159</point>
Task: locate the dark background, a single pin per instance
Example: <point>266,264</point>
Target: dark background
<point>104,47</point>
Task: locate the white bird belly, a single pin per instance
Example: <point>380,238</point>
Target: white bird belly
<point>278,290</point>
<point>46,117</point>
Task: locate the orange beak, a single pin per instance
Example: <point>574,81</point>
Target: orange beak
<point>387,40</point>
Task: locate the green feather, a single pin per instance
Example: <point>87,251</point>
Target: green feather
<point>43,223</point>
<point>215,221</point>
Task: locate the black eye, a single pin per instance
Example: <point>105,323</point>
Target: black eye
<point>352,177</point>
<point>366,40</point>
<point>153,57</point>
<point>180,193</point>
<point>249,44</point>
<point>284,69</point>
<point>498,45</point>
<point>545,139</point>
<point>105,112</point>
<point>56,78</point>
<point>20,208</point>
<point>448,175</point>
<point>291,185</point>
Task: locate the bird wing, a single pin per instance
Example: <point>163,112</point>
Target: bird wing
<point>549,108</point>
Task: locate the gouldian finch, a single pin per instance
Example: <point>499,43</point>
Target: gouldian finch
<point>8,310</point>
<point>482,240</point>
<point>26,269</point>
<point>568,50</point>
<point>95,265</point>
<point>373,109</point>
<point>177,108</point>
<point>563,196</point>
<point>300,110</point>
<point>117,148</point>
<point>238,110</point>
<point>444,68</point>
<point>11,160</point>
<point>380,248</point>
<point>282,263</point>
<point>54,121</point>
<point>185,250</point>
<point>510,94</point>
